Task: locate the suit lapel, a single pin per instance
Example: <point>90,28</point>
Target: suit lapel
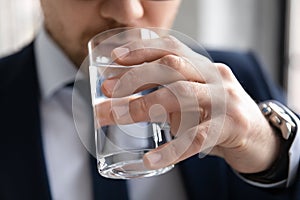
<point>23,172</point>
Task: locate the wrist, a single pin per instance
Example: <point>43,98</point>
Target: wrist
<point>285,129</point>
<point>276,171</point>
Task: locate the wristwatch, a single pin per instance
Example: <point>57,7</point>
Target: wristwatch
<point>282,119</point>
<point>277,115</point>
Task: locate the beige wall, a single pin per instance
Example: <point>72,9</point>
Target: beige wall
<point>18,22</point>
<point>294,56</point>
<point>234,24</point>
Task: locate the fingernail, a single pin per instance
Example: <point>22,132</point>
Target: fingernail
<point>121,52</point>
<point>154,158</point>
<point>109,86</point>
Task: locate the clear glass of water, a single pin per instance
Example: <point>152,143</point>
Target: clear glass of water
<point>120,148</point>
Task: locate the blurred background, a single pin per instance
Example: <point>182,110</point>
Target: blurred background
<point>269,28</point>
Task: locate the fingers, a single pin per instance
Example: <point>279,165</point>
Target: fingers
<point>141,51</point>
<point>199,139</point>
<point>178,149</point>
<point>166,70</point>
<point>104,112</point>
<point>182,96</point>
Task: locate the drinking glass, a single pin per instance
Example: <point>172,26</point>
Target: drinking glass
<point>120,148</point>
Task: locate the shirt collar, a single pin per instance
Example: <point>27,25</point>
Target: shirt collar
<point>54,68</point>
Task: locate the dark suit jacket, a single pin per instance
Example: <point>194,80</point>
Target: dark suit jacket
<point>23,170</point>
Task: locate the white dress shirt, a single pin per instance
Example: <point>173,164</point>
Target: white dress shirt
<point>66,158</point>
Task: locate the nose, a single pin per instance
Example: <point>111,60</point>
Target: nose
<point>125,12</point>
